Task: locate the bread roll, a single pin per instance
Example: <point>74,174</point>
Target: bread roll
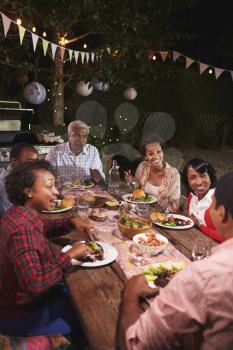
<point>138,193</point>
<point>67,202</point>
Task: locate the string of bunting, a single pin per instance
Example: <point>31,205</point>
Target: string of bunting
<point>85,56</point>
<point>91,56</point>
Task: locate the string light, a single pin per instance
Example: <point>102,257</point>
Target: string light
<point>120,117</point>
<point>65,108</point>
<point>55,83</point>
<point>210,71</point>
<point>110,140</point>
<point>44,34</point>
<point>125,129</point>
<point>18,21</point>
<point>154,58</point>
<point>117,140</point>
<point>111,128</point>
<point>34,29</point>
<point>94,136</point>
<point>48,90</point>
<point>126,119</point>
<point>100,125</point>
<point>48,99</point>
<point>85,46</point>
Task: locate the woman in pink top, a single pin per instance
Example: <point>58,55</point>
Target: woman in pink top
<point>199,178</point>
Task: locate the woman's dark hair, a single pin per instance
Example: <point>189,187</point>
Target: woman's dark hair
<point>201,167</point>
<point>148,139</point>
<point>24,176</point>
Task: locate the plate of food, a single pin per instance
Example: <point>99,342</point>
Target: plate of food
<point>100,254</point>
<point>61,206</point>
<point>150,242</point>
<point>159,275</point>
<point>139,196</point>
<point>171,221</point>
<point>79,184</point>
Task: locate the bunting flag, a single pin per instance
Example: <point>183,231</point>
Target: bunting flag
<point>92,57</point>
<point>164,55</point>
<point>76,54</point>
<point>70,54</point>
<point>53,49</point>
<point>202,67</point>
<point>231,74</point>
<point>175,55</point>
<point>34,41</point>
<point>189,61</point>
<point>82,56</point>
<point>6,21</point>
<point>218,72</point>
<point>62,50</point>
<point>87,57</point>
<point>21,33</point>
<point>45,44</point>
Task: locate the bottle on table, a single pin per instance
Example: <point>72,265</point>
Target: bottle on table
<point>114,178</point>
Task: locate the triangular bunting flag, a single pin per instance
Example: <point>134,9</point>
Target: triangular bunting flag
<point>76,54</point>
<point>87,56</point>
<point>218,72</point>
<point>82,56</point>
<point>92,57</point>
<point>62,49</point>
<point>163,55</point>
<point>21,33</point>
<point>175,55</point>
<point>53,49</point>
<point>70,54</point>
<point>202,67</point>
<point>189,61</point>
<point>231,74</point>
<point>45,44</point>
<point>34,41</point>
<point>6,21</point>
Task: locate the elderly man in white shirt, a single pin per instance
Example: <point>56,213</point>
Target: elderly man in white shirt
<point>76,158</point>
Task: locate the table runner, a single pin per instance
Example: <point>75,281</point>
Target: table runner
<point>108,232</point>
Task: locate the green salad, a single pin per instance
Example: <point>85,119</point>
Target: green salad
<point>153,272</point>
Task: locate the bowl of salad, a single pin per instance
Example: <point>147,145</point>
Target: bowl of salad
<point>132,225</point>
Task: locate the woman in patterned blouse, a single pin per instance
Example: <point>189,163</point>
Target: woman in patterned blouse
<point>158,178</point>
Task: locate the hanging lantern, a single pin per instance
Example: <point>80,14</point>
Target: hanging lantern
<point>83,88</point>
<point>130,93</point>
<point>99,85</point>
<point>35,93</point>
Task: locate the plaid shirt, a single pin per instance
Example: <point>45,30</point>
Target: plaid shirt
<point>71,166</point>
<point>27,265</point>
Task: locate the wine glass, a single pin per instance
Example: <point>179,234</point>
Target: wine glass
<point>200,250</point>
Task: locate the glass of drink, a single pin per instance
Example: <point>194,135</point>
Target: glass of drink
<point>200,250</point>
<point>139,258</point>
<point>142,209</point>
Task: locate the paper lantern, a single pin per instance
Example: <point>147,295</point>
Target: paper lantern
<point>83,88</point>
<point>99,85</point>
<point>130,93</point>
<point>35,93</point>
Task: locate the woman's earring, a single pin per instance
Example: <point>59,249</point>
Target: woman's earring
<point>30,196</point>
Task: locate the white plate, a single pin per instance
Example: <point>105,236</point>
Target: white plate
<point>182,217</point>
<point>56,211</point>
<point>151,284</point>
<point>68,184</point>
<point>127,198</point>
<point>110,254</point>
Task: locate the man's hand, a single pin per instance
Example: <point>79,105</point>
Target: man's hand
<point>95,175</point>
<point>85,225</point>
<point>137,287</point>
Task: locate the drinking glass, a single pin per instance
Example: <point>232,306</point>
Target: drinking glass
<point>142,209</point>
<point>200,250</point>
<point>81,207</point>
<point>139,258</point>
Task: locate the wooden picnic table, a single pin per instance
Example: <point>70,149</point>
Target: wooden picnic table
<point>96,292</point>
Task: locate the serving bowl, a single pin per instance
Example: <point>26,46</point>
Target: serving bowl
<point>132,225</point>
<point>150,242</point>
